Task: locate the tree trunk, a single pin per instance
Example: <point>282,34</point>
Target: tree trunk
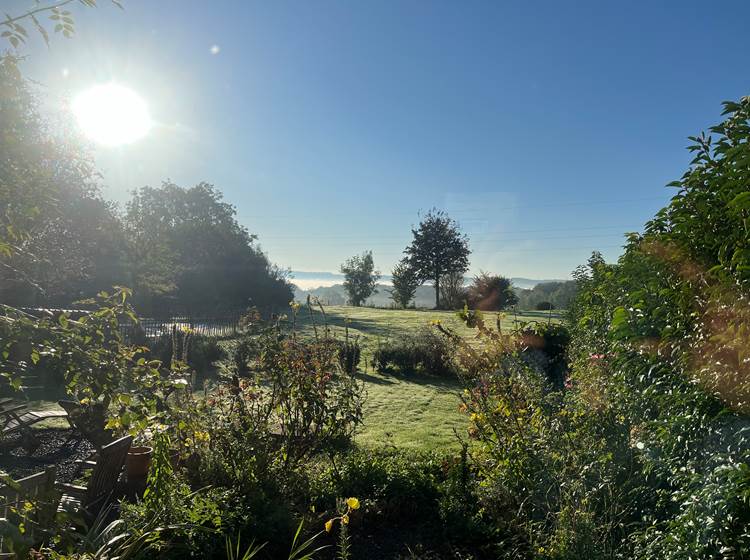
<point>437,292</point>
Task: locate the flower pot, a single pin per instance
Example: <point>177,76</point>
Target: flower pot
<point>138,461</point>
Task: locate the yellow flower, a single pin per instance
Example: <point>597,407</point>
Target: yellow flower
<point>345,519</point>
<point>353,503</point>
<point>329,525</point>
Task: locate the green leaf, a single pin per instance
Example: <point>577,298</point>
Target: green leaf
<point>741,201</point>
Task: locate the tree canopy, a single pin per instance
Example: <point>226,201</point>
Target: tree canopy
<point>189,253</point>
<point>360,278</point>
<point>405,283</point>
<point>438,248</point>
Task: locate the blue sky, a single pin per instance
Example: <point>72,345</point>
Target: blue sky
<point>547,129</point>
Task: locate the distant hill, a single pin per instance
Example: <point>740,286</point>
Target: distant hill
<point>307,280</point>
<point>328,287</point>
<point>336,295</point>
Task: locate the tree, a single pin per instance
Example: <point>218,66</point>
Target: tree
<point>59,239</point>
<point>405,283</point>
<point>361,278</point>
<point>188,251</point>
<point>453,293</point>
<point>490,292</point>
<point>438,248</point>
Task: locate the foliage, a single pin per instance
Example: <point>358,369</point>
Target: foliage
<point>544,306</point>
<point>532,446</point>
<point>438,248</point>
<point>491,293</point>
<point>429,494</point>
<point>14,27</point>
<point>422,352</point>
<point>453,293</point>
<point>349,354</point>
<point>198,351</point>
<point>100,370</point>
<point>558,294</point>
<point>405,280</point>
<point>58,238</point>
<point>360,278</point>
<point>189,252</point>
<point>295,390</point>
<point>544,346</point>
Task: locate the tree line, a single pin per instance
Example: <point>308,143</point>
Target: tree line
<point>439,253</point>
<point>180,249</point>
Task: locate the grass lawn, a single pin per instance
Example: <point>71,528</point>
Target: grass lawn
<point>415,412</point>
<point>373,324</point>
<point>411,413</point>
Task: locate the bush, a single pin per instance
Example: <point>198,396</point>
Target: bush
<point>428,498</point>
<point>544,346</point>
<point>490,292</point>
<point>544,306</point>
<point>424,352</point>
<point>349,354</point>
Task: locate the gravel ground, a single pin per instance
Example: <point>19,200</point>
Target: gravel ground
<point>20,457</point>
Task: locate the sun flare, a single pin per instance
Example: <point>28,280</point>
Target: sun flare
<point>112,114</point>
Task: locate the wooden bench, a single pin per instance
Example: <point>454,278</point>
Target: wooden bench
<point>105,472</point>
<point>32,501</point>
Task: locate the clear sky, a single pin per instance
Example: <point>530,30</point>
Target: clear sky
<point>547,129</point>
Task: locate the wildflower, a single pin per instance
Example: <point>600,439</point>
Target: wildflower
<point>329,525</point>
<point>345,519</point>
<point>353,503</point>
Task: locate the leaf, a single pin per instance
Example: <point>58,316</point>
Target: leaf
<point>741,201</point>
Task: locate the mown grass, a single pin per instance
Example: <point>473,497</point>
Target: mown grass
<point>406,411</point>
<point>414,412</point>
<point>373,325</point>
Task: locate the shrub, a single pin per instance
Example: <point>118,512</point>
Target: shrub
<point>544,306</point>
<point>424,352</point>
<point>544,345</point>
<point>490,292</point>
<point>349,354</point>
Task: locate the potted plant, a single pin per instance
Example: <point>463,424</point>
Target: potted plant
<point>138,461</point>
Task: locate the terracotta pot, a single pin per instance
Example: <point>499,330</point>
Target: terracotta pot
<point>138,461</point>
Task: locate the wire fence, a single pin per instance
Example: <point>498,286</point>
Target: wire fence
<point>153,327</point>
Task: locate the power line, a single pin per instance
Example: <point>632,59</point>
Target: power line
<point>458,211</point>
<point>472,236</point>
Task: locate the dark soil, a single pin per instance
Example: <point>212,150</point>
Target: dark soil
<point>22,456</point>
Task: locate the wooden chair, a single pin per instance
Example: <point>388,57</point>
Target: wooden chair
<point>105,473</point>
<point>16,418</point>
<point>32,501</point>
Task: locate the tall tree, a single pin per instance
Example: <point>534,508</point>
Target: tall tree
<point>438,248</point>
<point>59,239</point>
<point>189,252</point>
<point>405,283</point>
<point>360,278</point>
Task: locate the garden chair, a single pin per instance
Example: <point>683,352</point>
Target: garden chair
<point>18,418</point>
<point>38,490</point>
<point>105,473</point>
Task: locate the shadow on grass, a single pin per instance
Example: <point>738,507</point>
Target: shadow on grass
<point>374,379</point>
<point>415,378</point>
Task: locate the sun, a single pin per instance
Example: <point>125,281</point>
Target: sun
<point>111,114</point>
